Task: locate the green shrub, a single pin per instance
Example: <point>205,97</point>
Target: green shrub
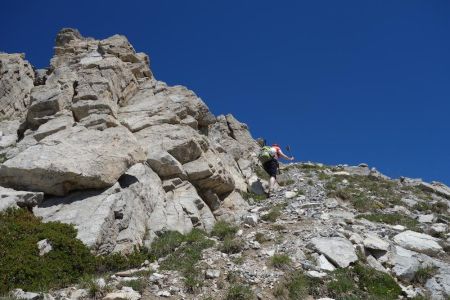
<point>358,282</point>
<point>21,265</point>
<point>280,261</point>
<point>223,229</point>
<point>116,262</point>
<point>231,245</point>
<point>273,214</point>
<point>240,292</point>
<point>249,195</point>
<point>294,286</point>
<point>166,244</point>
<point>423,274</point>
<point>186,255</point>
<point>138,285</point>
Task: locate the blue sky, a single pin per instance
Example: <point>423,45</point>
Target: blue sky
<point>339,81</point>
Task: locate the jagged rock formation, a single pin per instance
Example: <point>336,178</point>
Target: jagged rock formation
<point>96,141</point>
<point>152,156</point>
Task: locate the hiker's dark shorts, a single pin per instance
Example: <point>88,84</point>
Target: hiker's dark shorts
<point>271,167</point>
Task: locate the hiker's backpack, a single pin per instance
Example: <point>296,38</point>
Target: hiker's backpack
<point>265,154</point>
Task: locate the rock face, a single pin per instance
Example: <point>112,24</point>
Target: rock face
<point>117,153</point>
<point>76,158</point>
<point>16,81</point>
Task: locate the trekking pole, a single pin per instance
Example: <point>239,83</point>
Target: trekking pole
<point>288,149</point>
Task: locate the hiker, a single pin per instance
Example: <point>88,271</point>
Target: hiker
<point>270,157</point>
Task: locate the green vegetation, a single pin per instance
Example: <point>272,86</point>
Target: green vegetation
<point>366,193</point>
<point>260,237</point>
<point>240,292</point>
<point>273,214</point>
<point>280,261</point>
<point>71,261</point>
<point>22,267</point>
<point>138,285</point>
<point>358,282</point>
<point>185,255</point>
<point>393,219</point>
<point>322,176</point>
<point>418,192</point>
<point>295,286</point>
<point>231,245</point>
<point>438,207</point>
<point>3,158</point>
<point>423,274</point>
<point>249,195</point>
<point>223,229</point>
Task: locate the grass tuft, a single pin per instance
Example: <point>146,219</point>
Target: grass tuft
<point>223,229</point>
<point>240,292</point>
<point>280,261</point>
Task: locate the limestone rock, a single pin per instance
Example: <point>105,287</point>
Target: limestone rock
<point>372,241</point>
<point>14,199</point>
<point>20,294</point>
<point>8,133</point>
<point>111,220</point>
<point>232,208</point>
<point>338,250</point>
<point>164,164</point>
<point>71,159</point>
<point>126,293</point>
<point>418,242</point>
<point>16,82</point>
<point>44,247</point>
<point>324,264</point>
<point>437,188</point>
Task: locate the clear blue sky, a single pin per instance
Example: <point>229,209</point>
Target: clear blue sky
<point>340,81</point>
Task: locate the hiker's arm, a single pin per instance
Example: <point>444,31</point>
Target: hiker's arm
<point>285,156</point>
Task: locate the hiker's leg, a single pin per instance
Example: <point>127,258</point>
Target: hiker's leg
<point>271,183</point>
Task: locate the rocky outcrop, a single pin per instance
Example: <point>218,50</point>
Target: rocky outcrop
<point>76,158</point>
<point>16,82</point>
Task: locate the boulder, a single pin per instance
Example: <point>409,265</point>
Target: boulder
<point>372,241</point>
<point>405,264</point>
<point>75,158</point>
<point>338,250</point>
<point>418,242</point>
<point>126,293</point>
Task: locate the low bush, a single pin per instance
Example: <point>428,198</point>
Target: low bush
<point>231,245</point>
<point>240,292</point>
<point>273,214</point>
<point>357,282</point>
<point>21,265</point>
<point>223,229</point>
<point>280,261</point>
<point>186,254</point>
